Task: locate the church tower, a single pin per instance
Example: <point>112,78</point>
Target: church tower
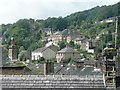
<point>13,52</point>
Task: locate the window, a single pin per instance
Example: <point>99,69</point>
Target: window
<point>34,57</point>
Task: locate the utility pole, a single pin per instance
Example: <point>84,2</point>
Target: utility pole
<point>116,32</point>
<point>109,62</point>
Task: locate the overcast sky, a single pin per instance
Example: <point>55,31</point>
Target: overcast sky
<point>13,10</point>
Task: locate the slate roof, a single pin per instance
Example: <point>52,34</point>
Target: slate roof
<point>52,47</point>
<point>40,49</point>
<point>88,62</point>
<point>67,50</point>
<point>50,43</point>
<point>72,70</point>
<point>26,53</point>
<point>57,33</point>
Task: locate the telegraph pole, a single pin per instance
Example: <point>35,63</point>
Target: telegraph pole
<point>116,31</point>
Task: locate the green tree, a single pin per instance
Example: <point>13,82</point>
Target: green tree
<point>32,47</point>
<point>118,58</point>
<point>23,58</point>
<point>27,32</point>
<point>71,43</point>
<point>118,36</point>
<point>40,44</point>
<point>67,60</point>
<point>62,44</point>
<point>41,60</point>
<point>21,48</point>
<point>109,37</point>
<point>23,23</point>
<point>61,24</point>
<point>72,60</point>
<point>44,34</point>
<point>77,46</point>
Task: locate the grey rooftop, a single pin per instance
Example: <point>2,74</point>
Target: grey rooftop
<point>52,81</point>
<point>67,50</point>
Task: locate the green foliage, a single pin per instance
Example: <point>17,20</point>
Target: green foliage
<point>118,58</point>
<point>109,37</point>
<point>32,47</point>
<point>21,48</point>
<point>118,37</point>
<point>72,60</point>
<point>67,60</point>
<point>98,50</point>
<point>77,46</point>
<point>71,44</point>
<point>62,44</point>
<point>55,23</point>
<point>39,44</point>
<point>27,32</point>
<point>23,23</point>
<point>61,24</point>
<point>44,34</point>
<point>41,60</point>
<point>81,19</point>
<point>23,58</point>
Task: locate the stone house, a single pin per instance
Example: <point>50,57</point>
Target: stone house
<point>66,53</point>
<point>86,44</point>
<point>24,55</point>
<point>48,31</point>
<point>68,38</point>
<point>56,37</point>
<point>45,52</point>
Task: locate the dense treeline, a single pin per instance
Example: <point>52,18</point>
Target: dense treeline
<point>77,19</point>
<point>28,34</point>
